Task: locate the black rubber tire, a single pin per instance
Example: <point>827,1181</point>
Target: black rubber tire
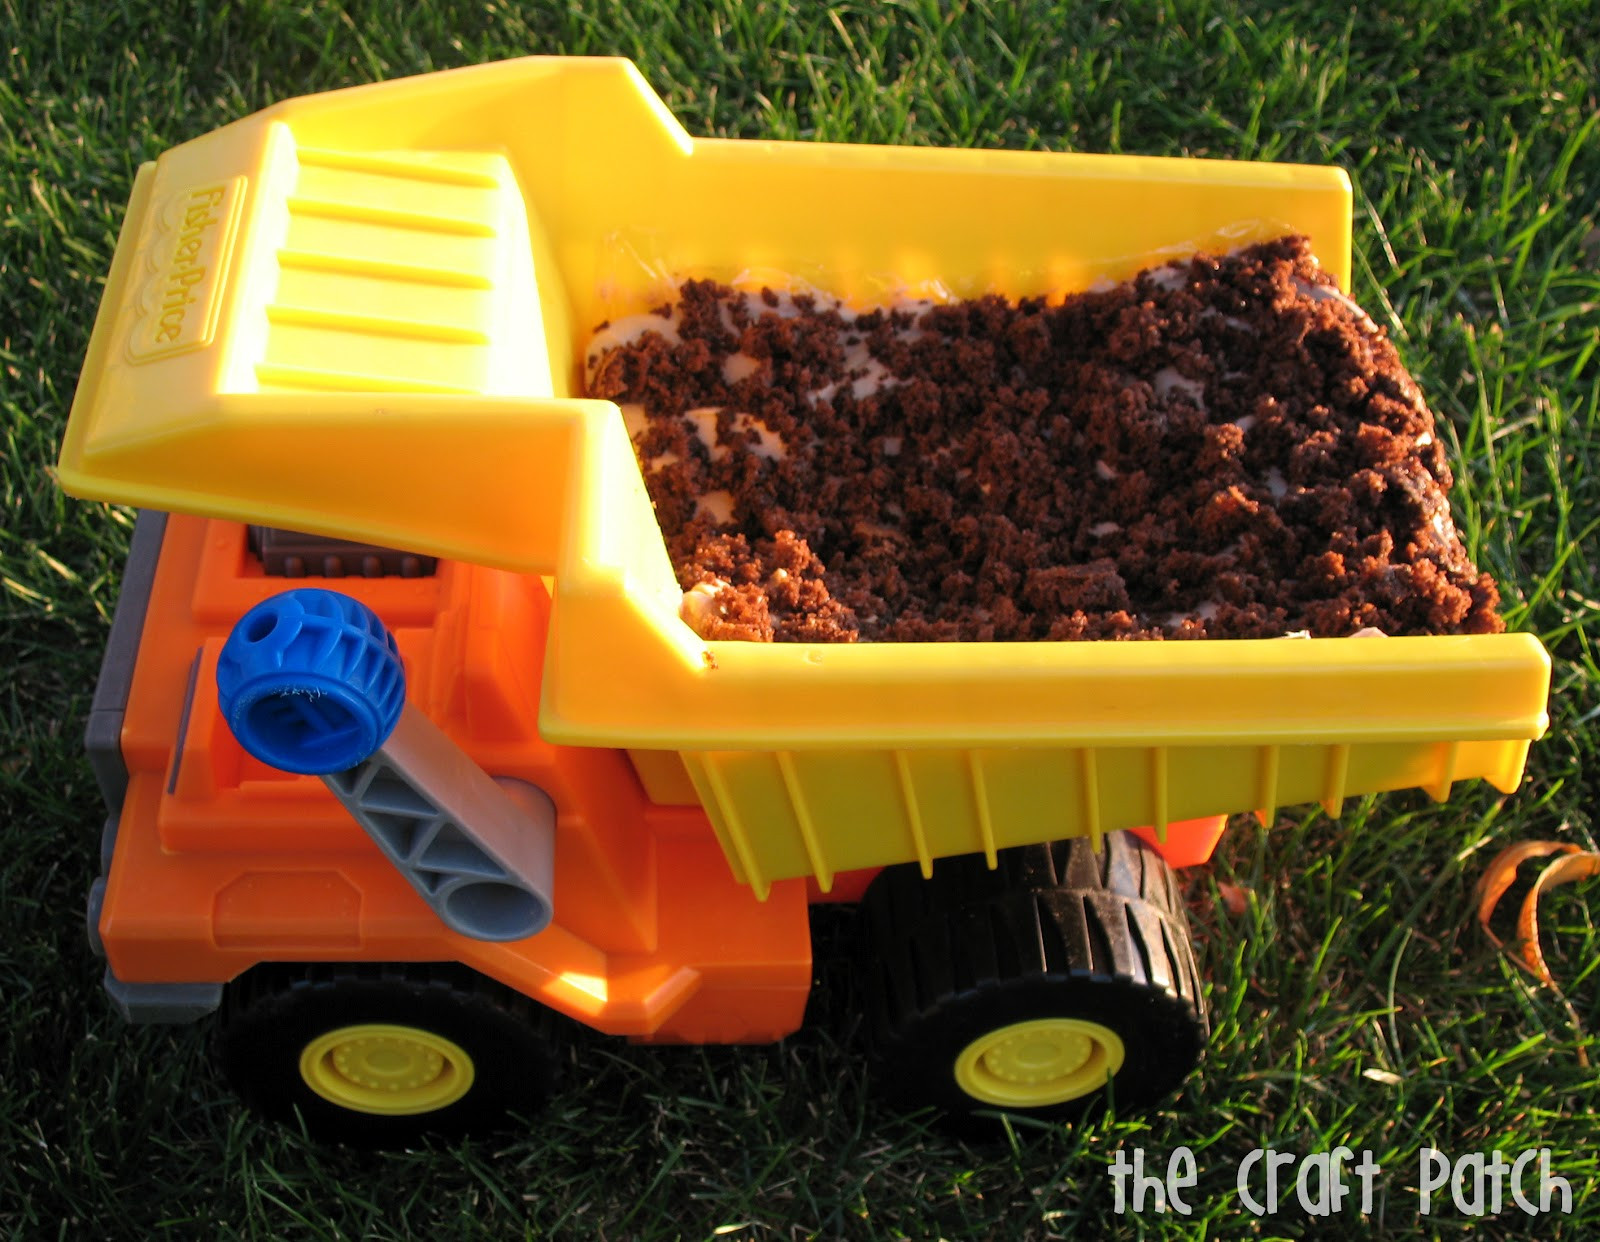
<point>271,1014</point>
<point>1055,931</point>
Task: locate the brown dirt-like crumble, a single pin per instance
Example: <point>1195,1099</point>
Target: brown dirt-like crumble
<point>1223,447</point>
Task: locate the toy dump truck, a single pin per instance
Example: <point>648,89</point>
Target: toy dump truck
<point>406,746</point>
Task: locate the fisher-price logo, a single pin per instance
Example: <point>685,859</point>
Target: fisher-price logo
<point>188,258</point>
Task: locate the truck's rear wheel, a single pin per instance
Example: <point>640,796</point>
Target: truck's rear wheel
<point>380,1055</point>
<point>1037,988</point>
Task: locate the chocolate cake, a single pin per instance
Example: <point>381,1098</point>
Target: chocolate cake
<point>1223,447</point>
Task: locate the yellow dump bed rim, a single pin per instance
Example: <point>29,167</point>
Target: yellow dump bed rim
<point>362,314</point>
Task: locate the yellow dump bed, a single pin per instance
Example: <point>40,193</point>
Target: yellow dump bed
<point>363,314</point>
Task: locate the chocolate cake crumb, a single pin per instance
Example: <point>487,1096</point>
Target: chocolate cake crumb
<point>1225,447</point>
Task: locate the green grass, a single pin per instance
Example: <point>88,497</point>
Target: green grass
<point>1353,1001</point>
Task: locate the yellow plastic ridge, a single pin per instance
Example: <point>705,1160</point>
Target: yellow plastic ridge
<point>1158,791</point>
<point>402,167</point>
<point>1267,798</point>
<point>1091,796</point>
<point>393,217</point>
<point>312,260</point>
<point>808,831</point>
<point>980,804</point>
<point>1338,775</point>
<point>282,376</point>
<point>908,790</point>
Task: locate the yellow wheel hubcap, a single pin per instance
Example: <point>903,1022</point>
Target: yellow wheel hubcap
<point>391,1071</point>
<point>1038,1063</point>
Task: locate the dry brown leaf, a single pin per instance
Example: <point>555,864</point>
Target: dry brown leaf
<point>1501,873</point>
<point>1235,900</point>
<point>1575,866</point>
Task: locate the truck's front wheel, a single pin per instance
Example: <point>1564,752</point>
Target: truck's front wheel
<point>381,1055</point>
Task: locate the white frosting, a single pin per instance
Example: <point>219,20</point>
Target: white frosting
<point>1326,293</point>
<point>700,603</point>
<point>627,330</point>
<point>718,506</point>
<point>1168,380</point>
<point>740,366</point>
<point>768,443</point>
